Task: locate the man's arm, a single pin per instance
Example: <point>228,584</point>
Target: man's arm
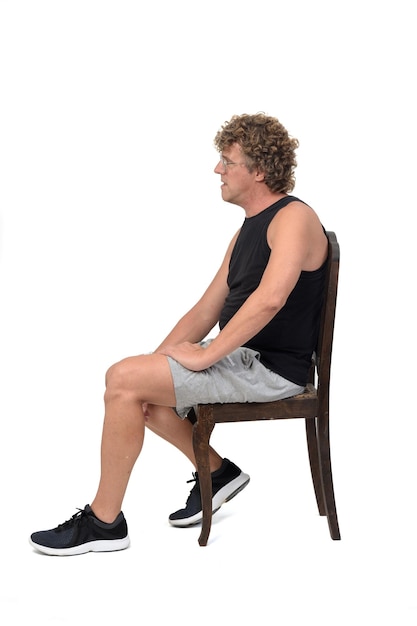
<point>194,326</point>
<point>297,243</point>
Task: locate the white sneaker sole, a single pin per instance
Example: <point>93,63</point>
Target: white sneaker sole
<point>110,545</point>
<point>225,494</point>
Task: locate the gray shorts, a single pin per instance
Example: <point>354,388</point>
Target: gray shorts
<point>239,377</point>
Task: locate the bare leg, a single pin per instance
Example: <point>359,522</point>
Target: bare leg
<point>129,384</point>
<point>165,422</point>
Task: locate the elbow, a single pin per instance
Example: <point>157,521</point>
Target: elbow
<point>274,304</point>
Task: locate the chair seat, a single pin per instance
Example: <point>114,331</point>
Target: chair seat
<point>303,405</point>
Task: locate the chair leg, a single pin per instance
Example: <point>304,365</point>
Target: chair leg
<point>201,436</point>
<point>326,474</point>
<point>313,455</point>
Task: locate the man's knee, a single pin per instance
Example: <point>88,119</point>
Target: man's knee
<point>118,377</point>
<point>145,378</point>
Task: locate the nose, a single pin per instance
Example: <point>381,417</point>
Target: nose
<point>219,169</point>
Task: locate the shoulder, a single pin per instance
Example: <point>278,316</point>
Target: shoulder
<point>296,216</point>
<point>297,228</point>
<point>297,210</point>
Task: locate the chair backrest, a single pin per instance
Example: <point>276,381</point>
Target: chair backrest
<point>325,342</point>
<point>315,399</point>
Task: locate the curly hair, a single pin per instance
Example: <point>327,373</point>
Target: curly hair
<point>266,145</point>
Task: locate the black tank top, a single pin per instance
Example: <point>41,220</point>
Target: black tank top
<point>287,343</point>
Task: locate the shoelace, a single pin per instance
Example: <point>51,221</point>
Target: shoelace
<point>194,479</point>
<point>75,519</point>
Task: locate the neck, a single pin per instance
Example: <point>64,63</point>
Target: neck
<point>257,205</point>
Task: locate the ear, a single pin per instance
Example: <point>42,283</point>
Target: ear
<point>260,176</point>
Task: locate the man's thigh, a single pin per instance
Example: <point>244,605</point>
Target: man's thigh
<point>238,377</point>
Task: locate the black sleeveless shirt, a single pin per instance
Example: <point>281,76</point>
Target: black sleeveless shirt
<point>288,341</point>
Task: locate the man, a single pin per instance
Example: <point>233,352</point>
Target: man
<point>266,298</point>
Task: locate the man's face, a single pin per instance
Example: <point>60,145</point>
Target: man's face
<point>237,182</point>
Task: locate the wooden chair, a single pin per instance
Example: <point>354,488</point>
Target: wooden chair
<point>312,405</point>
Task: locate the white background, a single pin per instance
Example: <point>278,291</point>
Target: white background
<point>111,227</point>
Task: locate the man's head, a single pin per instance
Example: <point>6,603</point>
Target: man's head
<point>266,147</point>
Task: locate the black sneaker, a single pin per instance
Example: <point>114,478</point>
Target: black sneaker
<point>227,481</point>
<point>84,532</point>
